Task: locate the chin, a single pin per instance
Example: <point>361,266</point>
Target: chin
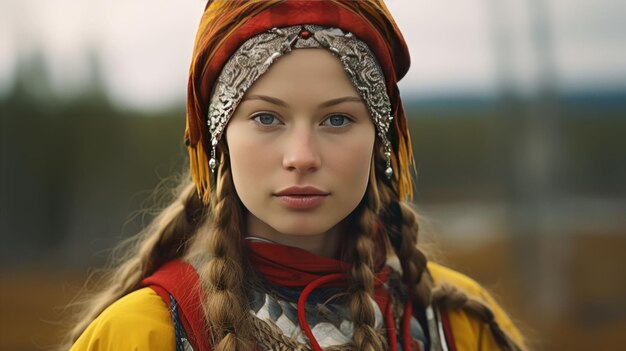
<point>302,229</point>
<point>303,225</point>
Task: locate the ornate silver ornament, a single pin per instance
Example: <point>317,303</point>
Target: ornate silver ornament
<point>255,56</point>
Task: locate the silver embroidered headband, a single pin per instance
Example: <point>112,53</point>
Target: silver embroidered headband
<point>254,57</point>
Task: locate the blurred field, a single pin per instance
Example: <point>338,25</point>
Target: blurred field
<point>595,315</point>
<point>32,301</point>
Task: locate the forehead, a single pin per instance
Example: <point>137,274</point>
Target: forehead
<point>311,72</point>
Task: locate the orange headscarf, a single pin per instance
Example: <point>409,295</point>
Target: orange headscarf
<point>226,24</point>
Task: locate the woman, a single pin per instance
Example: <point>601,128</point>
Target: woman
<point>296,233</point>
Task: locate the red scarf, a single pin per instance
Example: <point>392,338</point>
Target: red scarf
<point>293,267</point>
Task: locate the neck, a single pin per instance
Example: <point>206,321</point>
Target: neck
<point>322,244</point>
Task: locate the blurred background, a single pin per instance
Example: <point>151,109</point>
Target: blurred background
<point>517,111</point>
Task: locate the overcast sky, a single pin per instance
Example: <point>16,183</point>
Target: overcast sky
<point>145,46</point>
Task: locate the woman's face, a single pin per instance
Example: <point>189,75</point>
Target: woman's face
<point>300,146</point>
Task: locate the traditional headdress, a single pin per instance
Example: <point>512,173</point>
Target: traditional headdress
<point>348,28</point>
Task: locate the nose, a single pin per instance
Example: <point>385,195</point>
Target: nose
<point>301,152</point>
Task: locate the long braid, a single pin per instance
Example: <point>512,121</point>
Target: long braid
<point>414,270</point>
<point>401,225</point>
<point>450,297</point>
<point>225,306</point>
<point>165,238</point>
<point>362,275</point>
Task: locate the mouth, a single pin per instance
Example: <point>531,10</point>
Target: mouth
<point>302,191</point>
<point>302,198</point>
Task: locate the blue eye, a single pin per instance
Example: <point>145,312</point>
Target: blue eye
<point>337,121</point>
<point>266,119</point>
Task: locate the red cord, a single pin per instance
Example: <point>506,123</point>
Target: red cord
<point>407,340</point>
<point>445,321</point>
<point>391,328</point>
<point>302,301</point>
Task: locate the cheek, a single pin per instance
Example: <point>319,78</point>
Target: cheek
<point>252,159</point>
<point>351,166</point>
<point>246,160</point>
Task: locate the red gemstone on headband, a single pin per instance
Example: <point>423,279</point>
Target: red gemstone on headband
<point>305,34</point>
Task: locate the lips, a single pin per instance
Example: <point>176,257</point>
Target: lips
<point>302,191</point>
<point>301,198</point>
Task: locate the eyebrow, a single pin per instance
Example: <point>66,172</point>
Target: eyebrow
<point>280,102</point>
<point>340,100</point>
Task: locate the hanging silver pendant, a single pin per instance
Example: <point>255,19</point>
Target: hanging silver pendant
<point>388,170</point>
<point>212,161</point>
